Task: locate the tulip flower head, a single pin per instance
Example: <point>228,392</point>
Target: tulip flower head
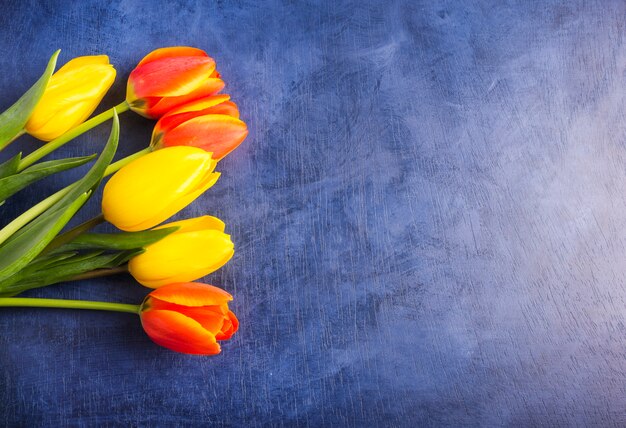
<point>72,94</point>
<point>189,317</point>
<point>169,77</point>
<point>154,187</point>
<point>211,123</point>
<point>196,249</point>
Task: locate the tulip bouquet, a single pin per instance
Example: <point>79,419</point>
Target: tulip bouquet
<point>196,127</point>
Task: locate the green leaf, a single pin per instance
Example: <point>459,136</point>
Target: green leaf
<point>117,241</point>
<point>63,270</point>
<point>23,246</point>
<point>41,262</point>
<point>12,121</point>
<point>16,182</point>
<point>11,166</point>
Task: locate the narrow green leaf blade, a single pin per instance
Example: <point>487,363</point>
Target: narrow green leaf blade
<point>24,246</point>
<point>62,271</point>
<point>12,121</point>
<point>16,182</point>
<point>10,167</point>
<point>29,241</point>
<point>117,241</point>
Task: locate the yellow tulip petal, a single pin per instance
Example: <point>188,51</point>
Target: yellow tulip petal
<point>72,94</point>
<point>82,61</point>
<point>176,205</point>
<point>152,188</point>
<point>206,222</point>
<point>182,257</point>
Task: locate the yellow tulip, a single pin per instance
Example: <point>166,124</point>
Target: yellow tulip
<point>154,187</point>
<point>196,249</point>
<point>72,94</point>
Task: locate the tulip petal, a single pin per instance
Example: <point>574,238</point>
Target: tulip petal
<point>71,96</point>
<point>208,317</point>
<point>216,133</point>
<point>181,257</point>
<point>170,77</point>
<point>176,204</point>
<point>206,222</point>
<point>216,104</point>
<point>152,188</point>
<point>191,294</point>
<point>200,104</point>
<point>227,108</point>
<point>82,61</point>
<point>173,51</point>
<point>229,327</point>
<point>179,333</point>
<point>157,107</point>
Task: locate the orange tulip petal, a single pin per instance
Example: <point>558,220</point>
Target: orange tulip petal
<point>168,122</point>
<point>230,327</point>
<point>209,317</point>
<point>191,294</point>
<point>170,77</point>
<point>217,133</point>
<point>227,108</point>
<point>178,332</point>
<point>199,105</point>
<point>222,323</point>
<point>171,52</point>
<point>215,104</point>
<point>157,107</point>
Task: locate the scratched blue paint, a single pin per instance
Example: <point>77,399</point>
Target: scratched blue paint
<point>429,215</point>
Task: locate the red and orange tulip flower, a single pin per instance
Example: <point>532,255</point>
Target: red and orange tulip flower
<point>169,77</point>
<point>211,123</point>
<point>189,317</point>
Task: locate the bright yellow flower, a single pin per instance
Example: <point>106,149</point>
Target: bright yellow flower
<point>151,189</point>
<point>72,94</point>
<point>198,248</point>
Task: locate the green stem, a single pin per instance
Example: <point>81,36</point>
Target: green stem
<point>51,146</point>
<point>116,166</point>
<point>68,304</point>
<point>18,135</point>
<point>32,213</point>
<point>99,273</point>
<point>68,236</point>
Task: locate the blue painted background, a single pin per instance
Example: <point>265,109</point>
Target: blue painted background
<point>429,215</point>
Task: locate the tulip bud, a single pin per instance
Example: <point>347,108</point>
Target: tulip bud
<point>72,94</point>
<point>169,77</point>
<point>210,123</point>
<point>154,187</point>
<point>189,317</point>
<point>196,249</point>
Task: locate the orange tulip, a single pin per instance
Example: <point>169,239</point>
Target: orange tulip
<point>189,317</point>
<point>169,77</point>
<point>211,123</point>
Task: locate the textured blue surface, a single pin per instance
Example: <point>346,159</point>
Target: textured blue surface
<point>429,218</point>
